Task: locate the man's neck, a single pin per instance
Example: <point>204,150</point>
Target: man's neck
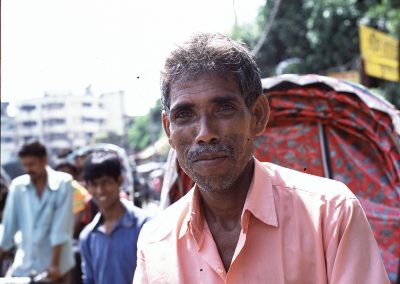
<point>226,206</point>
<point>40,184</point>
<point>111,216</point>
<point>113,213</point>
<point>223,210</point>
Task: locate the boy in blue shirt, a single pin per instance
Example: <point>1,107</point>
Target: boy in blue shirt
<point>108,243</point>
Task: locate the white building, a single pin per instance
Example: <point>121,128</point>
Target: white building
<point>63,121</point>
<point>114,109</point>
<point>8,135</point>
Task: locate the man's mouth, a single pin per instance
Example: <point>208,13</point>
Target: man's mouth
<point>210,153</point>
<point>209,157</point>
<point>102,198</point>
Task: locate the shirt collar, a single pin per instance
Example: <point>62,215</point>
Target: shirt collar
<point>194,220</point>
<point>259,202</point>
<point>53,181</point>
<point>128,219</point>
<point>260,198</point>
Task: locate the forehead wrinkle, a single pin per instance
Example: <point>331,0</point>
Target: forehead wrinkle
<point>229,97</point>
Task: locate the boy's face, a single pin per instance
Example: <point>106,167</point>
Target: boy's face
<point>105,191</point>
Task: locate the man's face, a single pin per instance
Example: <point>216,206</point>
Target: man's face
<point>105,191</point>
<point>211,129</point>
<point>34,166</point>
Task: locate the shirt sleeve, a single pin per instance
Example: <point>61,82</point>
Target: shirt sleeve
<point>79,197</point>
<point>61,230</point>
<point>86,264</point>
<point>352,253</point>
<point>10,220</point>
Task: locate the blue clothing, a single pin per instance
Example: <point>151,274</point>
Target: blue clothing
<point>111,258</point>
<point>43,222</point>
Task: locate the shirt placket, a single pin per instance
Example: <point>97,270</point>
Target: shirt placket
<point>209,253</point>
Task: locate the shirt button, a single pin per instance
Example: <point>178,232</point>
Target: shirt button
<point>219,270</point>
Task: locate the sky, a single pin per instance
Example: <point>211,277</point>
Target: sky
<point>65,46</point>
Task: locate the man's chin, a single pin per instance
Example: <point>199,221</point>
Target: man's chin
<point>214,184</point>
<point>33,177</point>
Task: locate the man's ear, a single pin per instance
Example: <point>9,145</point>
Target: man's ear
<point>166,124</point>
<point>45,160</point>
<point>260,112</point>
<point>120,180</point>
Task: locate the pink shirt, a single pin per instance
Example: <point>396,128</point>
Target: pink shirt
<point>296,228</point>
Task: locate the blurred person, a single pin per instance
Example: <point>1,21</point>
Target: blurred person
<point>108,243</point>
<point>83,208</point>
<point>79,161</point>
<point>7,257</point>
<point>39,205</point>
<point>244,221</point>
<point>81,202</point>
<point>4,184</point>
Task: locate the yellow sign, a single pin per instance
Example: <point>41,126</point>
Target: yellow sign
<point>381,71</point>
<point>380,53</point>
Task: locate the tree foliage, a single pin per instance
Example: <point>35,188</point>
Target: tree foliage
<point>318,36</point>
<point>146,129</point>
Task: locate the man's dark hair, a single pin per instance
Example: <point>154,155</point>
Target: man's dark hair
<point>216,54</point>
<point>100,164</point>
<point>34,148</point>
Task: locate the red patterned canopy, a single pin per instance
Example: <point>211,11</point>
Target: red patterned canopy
<point>340,130</point>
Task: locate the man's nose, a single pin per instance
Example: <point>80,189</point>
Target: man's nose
<point>97,188</point>
<point>207,130</point>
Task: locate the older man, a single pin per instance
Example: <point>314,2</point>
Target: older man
<point>244,221</point>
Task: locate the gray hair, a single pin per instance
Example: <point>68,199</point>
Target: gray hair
<point>216,54</point>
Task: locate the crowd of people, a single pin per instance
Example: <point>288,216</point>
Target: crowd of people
<point>55,208</point>
<point>243,222</point>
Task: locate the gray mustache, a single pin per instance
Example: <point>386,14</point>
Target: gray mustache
<point>209,149</point>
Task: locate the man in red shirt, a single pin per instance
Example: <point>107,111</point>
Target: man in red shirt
<point>244,221</point>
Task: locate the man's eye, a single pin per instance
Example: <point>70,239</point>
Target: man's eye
<point>183,115</point>
<point>225,108</point>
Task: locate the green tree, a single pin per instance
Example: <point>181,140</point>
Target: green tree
<point>321,34</point>
<point>146,129</point>
<point>139,134</point>
<point>318,36</point>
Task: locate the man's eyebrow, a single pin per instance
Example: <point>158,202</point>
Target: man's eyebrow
<point>179,106</point>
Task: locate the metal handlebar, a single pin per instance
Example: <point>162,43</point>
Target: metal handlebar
<point>36,278</point>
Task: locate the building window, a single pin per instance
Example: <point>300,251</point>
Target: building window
<point>56,136</point>
<point>89,119</point>
<point>29,123</point>
<point>28,108</point>
<point>88,135</point>
<point>7,140</point>
<point>87,104</point>
<point>53,106</point>
<point>29,138</point>
<point>54,121</point>
<point>7,125</point>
